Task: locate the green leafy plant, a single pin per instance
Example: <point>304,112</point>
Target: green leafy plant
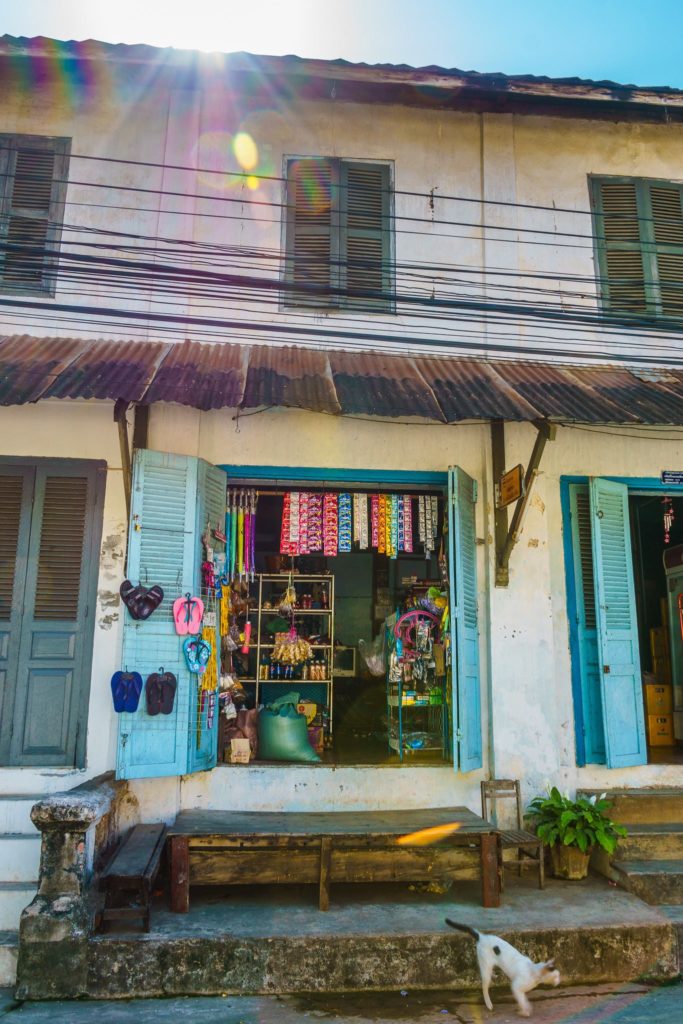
<point>561,821</point>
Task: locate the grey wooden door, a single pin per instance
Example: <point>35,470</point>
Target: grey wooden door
<point>52,519</point>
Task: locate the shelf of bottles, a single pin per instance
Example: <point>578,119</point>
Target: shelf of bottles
<point>313,618</point>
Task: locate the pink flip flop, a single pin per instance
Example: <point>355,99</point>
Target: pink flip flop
<point>188,613</point>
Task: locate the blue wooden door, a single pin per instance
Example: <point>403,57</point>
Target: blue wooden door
<point>589,718</point>
<point>203,737</point>
<point>462,572</point>
<point>52,517</point>
<point>617,626</point>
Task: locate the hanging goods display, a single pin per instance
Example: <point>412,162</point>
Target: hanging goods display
<point>374,520</point>
<point>330,525</point>
<point>240,533</point>
<point>140,601</point>
<point>160,691</point>
<point>407,523</point>
<point>669,517</point>
<point>126,688</point>
<point>344,523</point>
<point>188,613</point>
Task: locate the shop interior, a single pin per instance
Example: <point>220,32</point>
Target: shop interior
<point>657,542</point>
<point>313,624</point>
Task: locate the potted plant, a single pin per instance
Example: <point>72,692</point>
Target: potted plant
<point>572,828</point>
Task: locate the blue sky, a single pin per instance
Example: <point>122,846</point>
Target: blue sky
<point>626,40</point>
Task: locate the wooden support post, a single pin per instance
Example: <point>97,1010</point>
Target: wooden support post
<point>325,864</point>
<point>120,410</point>
<point>490,869</point>
<point>180,874</point>
<point>546,432</point>
<point>500,515</point>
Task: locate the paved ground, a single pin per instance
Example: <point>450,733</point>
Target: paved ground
<point>604,1004</point>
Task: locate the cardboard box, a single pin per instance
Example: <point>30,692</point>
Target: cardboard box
<point>240,751</point>
<point>660,730</point>
<point>661,668</point>
<point>659,642</point>
<point>658,699</point>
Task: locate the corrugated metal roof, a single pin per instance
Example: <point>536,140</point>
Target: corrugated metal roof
<point>374,385</point>
<point>291,377</point>
<point>203,376</point>
<point>443,390</point>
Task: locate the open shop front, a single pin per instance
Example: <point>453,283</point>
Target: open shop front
<point>338,618</point>
<point>626,620</point>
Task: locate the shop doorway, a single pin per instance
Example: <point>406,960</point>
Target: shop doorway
<point>346,605</point>
<point>624,623</point>
<point>657,536</point>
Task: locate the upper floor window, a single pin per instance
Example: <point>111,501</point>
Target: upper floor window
<point>338,235</point>
<point>639,233</point>
<point>33,174</point>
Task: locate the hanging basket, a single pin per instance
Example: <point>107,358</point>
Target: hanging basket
<point>569,862</point>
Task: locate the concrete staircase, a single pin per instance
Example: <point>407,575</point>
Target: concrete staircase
<point>649,861</point>
<point>19,862</point>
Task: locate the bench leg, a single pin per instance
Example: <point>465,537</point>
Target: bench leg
<point>490,877</point>
<point>180,874</point>
<point>325,860</point>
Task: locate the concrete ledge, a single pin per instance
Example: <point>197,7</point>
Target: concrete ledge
<point>276,941</point>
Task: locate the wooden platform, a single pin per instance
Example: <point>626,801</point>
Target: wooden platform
<point>233,848</point>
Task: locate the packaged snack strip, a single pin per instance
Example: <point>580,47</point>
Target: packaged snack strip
<point>363,527</point>
<point>303,524</point>
<point>382,525</point>
<point>407,522</point>
<point>294,517</point>
<point>421,518</point>
<point>345,525</point>
<point>401,524</point>
<point>374,516</point>
<point>330,525</point>
<point>315,522</point>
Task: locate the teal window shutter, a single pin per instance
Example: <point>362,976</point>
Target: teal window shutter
<point>312,257</point>
<point>52,521</point>
<point>617,625</point>
<point>365,235</point>
<point>161,549</point>
<point>462,556</point>
<point>639,238</point>
<point>586,625</point>
<point>32,192</point>
<point>203,734</point>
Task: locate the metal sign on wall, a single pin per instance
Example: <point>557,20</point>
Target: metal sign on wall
<point>672,476</point>
<point>510,486</point>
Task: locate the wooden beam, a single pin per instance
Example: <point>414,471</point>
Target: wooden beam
<point>500,515</point>
<point>120,410</point>
<point>546,432</point>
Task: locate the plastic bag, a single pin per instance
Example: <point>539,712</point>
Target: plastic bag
<point>373,654</point>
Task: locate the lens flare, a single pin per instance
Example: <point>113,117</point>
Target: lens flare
<point>427,836</point>
<point>245,150</point>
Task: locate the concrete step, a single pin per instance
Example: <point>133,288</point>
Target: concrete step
<point>14,896</point>
<point>15,812</point>
<point>651,842</point>
<point>9,947</point>
<point>661,805</point>
<point>19,857</point>
<point>655,881</point>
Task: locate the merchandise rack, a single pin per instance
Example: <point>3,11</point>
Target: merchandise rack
<point>325,614</point>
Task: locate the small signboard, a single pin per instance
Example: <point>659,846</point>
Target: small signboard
<point>672,476</point>
<point>510,486</point>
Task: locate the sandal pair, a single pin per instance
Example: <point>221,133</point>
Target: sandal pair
<point>188,613</point>
<point>140,601</point>
<point>197,653</point>
<point>160,691</point>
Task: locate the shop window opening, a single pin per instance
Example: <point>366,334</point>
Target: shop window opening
<point>626,623</point>
<point>315,616</point>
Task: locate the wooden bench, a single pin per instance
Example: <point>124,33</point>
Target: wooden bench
<point>129,876</point>
<point>245,848</point>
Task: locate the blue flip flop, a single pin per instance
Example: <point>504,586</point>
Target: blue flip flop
<point>126,688</point>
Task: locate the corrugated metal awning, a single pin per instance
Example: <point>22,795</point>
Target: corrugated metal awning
<point>444,390</point>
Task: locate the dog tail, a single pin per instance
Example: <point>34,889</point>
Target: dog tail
<point>463,928</point>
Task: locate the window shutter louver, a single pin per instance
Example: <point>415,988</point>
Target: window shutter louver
<point>583,516</point>
<point>623,270</point>
<point>60,558</point>
<point>364,233</point>
<point>312,236</point>
<point>11,493</point>
<point>667,218</point>
<point>35,172</point>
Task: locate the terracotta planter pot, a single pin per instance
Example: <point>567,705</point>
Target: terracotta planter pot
<point>569,862</point>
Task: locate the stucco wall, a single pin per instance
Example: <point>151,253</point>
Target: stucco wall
<point>444,163</point>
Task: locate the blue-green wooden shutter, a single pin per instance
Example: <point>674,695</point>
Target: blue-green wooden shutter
<point>161,549</point>
<point>365,234</point>
<point>587,627</point>
<point>619,665</point>
<point>203,741</point>
<point>462,552</point>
